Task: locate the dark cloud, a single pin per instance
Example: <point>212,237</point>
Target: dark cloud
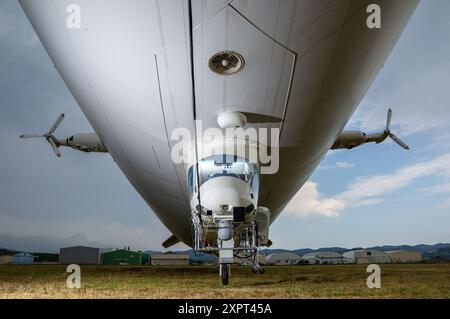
<point>49,244</point>
<point>41,195</point>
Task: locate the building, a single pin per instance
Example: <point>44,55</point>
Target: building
<point>17,258</point>
<point>262,258</point>
<point>324,258</point>
<point>80,255</point>
<point>282,258</point>
<point>23,258</point>
<point>367,256</point>
<point>125,257</point>
<point>6,257</point>
<point>169,259</point>
<point>405,256</point>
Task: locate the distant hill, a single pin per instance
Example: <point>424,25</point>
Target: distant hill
<point>442,253</point>
<point>4,251</point>
<point>424,249</point>
<point>436,251</point>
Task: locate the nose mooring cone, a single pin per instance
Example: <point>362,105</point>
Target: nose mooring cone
<point>231,119</point>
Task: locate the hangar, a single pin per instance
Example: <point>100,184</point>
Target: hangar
<point>80,255</point>
<point>282,258</point>
<point>124,257</point>
<point>367,256</point>
<point>13,257</point>
<point>405,256</point>
<point>6,257</point>
<point>324,258</point>
<point>23,258</point>
<point>169,259</point>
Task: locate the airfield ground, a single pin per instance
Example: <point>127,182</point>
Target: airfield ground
<point>347,281</point>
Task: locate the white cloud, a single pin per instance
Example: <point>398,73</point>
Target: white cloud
<point>439,140</point>
<point>339,165</point>
<point>445,204</point>
<point>373,186</point>
<point>366,191</point>
<point>438,189</point>
<point>308,201</point>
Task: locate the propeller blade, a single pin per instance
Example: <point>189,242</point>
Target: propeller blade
<point>57,122</point>
<point>388,120</point>
<point>29,136</point>
<point>399,141</point>
<point>54,147</point>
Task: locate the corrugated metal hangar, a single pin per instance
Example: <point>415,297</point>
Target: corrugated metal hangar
<point>367,256</point>
<point>324,258</point>
<point>80,255</point>
<point>124,257</point>
<point>405,256</point>
<point>282,258</point>
<point>169,258</point>
<point>17,258</point>
<point>23,258</point>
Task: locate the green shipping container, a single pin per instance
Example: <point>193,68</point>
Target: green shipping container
<point>124,257</point>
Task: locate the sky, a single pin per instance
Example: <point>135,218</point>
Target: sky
<point>372,195</point>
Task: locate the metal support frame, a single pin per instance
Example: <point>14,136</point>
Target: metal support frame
<point>246,249</point>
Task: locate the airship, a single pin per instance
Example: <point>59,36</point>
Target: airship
<point>218,111</point>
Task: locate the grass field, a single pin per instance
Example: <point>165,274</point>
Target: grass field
<point>346,281</point>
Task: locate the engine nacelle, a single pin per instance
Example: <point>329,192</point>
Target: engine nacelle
<point>349,140</point>
<point>86,142</point>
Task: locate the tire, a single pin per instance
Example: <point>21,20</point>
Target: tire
<point>224,273</point>
<point>262,270</point>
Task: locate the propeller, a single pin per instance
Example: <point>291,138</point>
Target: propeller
<point>388,133</point>
<point>49,135</point>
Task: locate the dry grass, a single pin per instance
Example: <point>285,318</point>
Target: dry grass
<point>346,281</point>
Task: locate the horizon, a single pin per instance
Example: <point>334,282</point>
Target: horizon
<point>106,246</point>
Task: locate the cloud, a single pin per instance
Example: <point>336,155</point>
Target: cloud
<point>344,165</point>
<point>27,234</point>
<point>308,201</point>
<point>445,204</point>
<point>440,139</point>
<point>442,188</point>
<point>43,243</point>
<point>338,165</point>
<point>373,186</point>
<point>41,195</point>
<point>366,191</point>
<point>414,81</point>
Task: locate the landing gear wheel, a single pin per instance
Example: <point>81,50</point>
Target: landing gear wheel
<point>254,271</point>
<point>224,273</point>
<point>262,270</point>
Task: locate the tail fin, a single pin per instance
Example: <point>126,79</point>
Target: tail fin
<point>172,240</point>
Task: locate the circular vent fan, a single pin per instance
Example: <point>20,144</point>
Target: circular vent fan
<point>226,62</point>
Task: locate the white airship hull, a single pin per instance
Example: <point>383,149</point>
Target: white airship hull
<point>308,63</point>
